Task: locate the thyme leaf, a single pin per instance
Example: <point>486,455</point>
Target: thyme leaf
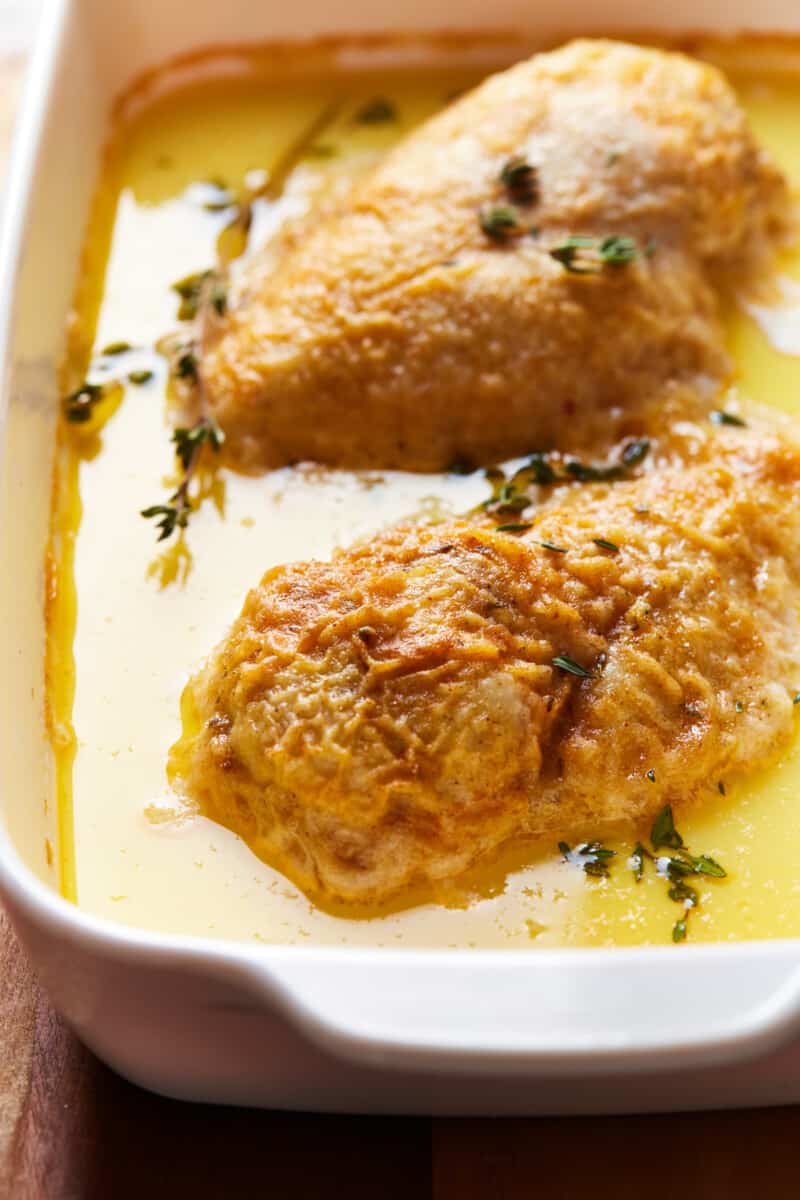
<point>636,861</point>
<point>664,832</point>
<point>186,364</point>
<point>543,473</point>
<point>683,892</point>
<point>720,417</point>
<point>568,253</point>
<point>635,452</point>
<point>188,441</point>
<point>587,473</point>
<point>617,251</point>
<point>140,377</point>
<point>173,516</point>
<point>679,930</point>
<point>565,663</point>
<point>705,865</point>
<point>500,221</point>
<point>203,287</point>
<point>673,867</point>
<point>520,179</point>
<point>79,406</point>
<point>592,857</point>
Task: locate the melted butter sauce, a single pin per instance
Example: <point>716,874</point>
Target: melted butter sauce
<point>139,617</point>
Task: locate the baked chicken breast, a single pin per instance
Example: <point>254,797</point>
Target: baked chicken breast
<point>387,719</point>
<point>411,327</point>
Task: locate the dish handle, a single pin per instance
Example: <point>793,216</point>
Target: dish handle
<point>551,1012</point>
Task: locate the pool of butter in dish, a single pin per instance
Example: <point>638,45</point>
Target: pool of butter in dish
<point>137,617</point>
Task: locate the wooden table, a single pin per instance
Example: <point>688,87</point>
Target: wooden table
<point>72,1130</point>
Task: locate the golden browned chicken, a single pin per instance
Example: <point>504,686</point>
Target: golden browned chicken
<point>415,326</point>
<point>390,717</point>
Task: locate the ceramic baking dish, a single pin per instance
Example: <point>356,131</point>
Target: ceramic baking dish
<point>369,1029</point>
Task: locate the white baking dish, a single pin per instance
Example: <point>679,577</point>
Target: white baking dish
<point>370,1030</point>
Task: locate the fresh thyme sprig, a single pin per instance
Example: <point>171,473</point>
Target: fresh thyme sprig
<point>216,197</point>
<point>189,443</point>
<point>513,495</point>
<point>675,868</point>
<point>233,239</point>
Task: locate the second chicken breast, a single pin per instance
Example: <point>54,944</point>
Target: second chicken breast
<point>530,268</point>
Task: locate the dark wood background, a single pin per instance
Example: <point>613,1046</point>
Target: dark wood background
<point>72,1130</point>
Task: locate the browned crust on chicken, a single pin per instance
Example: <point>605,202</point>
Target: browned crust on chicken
<point>396,333</point>
<point>391,717</point>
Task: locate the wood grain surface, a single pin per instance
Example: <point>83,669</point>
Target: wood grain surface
<point>72,1130</point>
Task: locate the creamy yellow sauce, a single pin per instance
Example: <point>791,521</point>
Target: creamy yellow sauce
<point>137,618</point>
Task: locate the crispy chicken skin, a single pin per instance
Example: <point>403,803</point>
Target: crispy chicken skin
<point>389,718</point>
<point>396,333</point>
